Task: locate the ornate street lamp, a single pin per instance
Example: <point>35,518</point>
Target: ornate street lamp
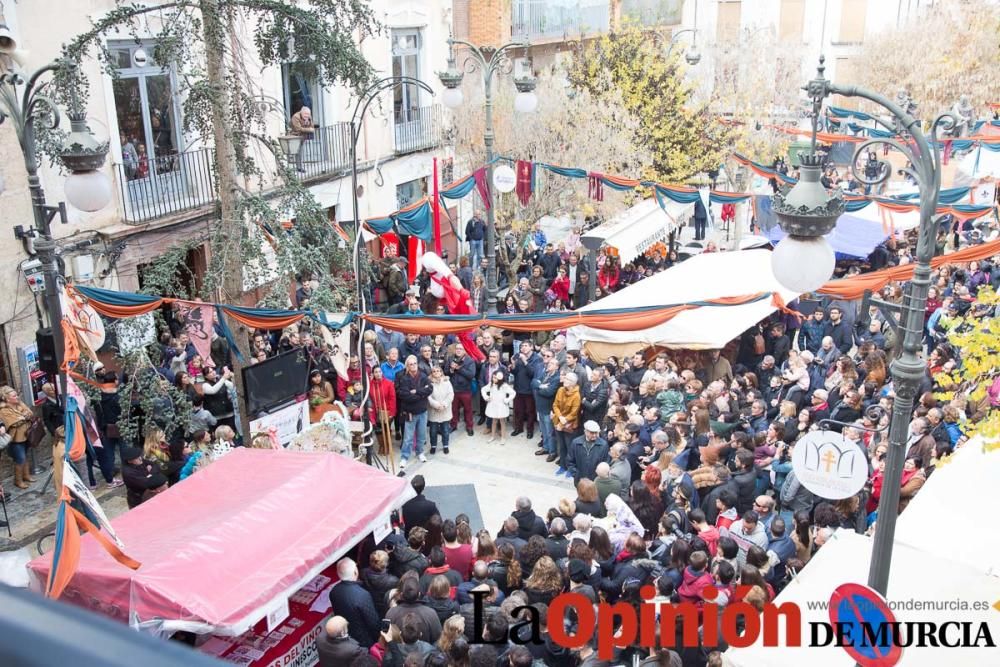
<point>86,188</point>
<point>807,212</point>
<point>489,61</point>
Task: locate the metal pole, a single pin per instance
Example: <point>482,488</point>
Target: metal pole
<point>45,246</point>
<point>491,230</point>
<point>360,286</point>
<point>908,370</point>
<point>360,109</point>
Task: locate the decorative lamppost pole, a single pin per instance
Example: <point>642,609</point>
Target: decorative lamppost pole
<point>489,61</point>
<point>360,109</point>
<point>86,188</point>
<point>692,56</point>
<point>804,261</point>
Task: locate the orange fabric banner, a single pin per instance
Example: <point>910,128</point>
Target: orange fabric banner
<point>855,287</point>
<point>69,554</point>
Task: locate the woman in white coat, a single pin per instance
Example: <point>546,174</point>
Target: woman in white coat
<point>499,397</point>
<point>439,408</point>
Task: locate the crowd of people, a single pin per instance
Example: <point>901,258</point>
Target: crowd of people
<point>681,463</point>
<point>681,466</point>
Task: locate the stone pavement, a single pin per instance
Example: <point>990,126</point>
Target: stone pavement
<point>500,474</point>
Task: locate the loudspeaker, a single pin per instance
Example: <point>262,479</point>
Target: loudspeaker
<point>46,344</point>
<point>275,381</point>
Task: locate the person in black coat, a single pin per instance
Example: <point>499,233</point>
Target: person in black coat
<point>594,396</point>
<point>778,344</point>
<point>556,543</point>
<point>350,600</point>
<point>728,491</point>
<point>140,475</point>
<point>407,555</point>
<point>746,481</point>
<point>335,645</point>
<point>586,453</point>
<point>377,579</point>
<point>418,510</point>
<point>528,523</point>
<point>625,568</point>
<point>52,414</point>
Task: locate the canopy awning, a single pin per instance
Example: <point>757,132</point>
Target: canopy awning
<point>227,545</point>
<point>705,276</point>
<point>636,230</point>
<point>854,236</point>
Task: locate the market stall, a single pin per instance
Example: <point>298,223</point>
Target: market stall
<point>706,276</point>
<point>230,549</point>
<point>638,229</point>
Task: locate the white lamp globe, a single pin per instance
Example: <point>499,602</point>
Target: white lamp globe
<point>525,102</point>
<point>452,97</point>
<point>803,264</point>
<point>88,190</point>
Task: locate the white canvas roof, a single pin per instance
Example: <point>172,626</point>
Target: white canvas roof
<point>966,483</point>
<point>980,163</point>
<point>706,276</point>
<point>634,231</point>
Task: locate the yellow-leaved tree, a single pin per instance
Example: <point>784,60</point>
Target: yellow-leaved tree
<point>978,341</point>
<point>682,135</point>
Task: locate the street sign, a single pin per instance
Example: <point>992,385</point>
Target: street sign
<point>829,465</point>
<point>865,618</point>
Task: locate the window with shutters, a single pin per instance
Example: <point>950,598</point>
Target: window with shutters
<point>727,23</point>
<point>852,21</point>
<point>792,17</point>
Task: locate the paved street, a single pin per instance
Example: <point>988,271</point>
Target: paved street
<point>499,473</point>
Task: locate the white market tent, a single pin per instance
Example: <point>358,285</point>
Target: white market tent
<point>953,497</point>
<point>636,230</point>
<point>980,163</point>
<point>959,498</point>
<point>706,276</point>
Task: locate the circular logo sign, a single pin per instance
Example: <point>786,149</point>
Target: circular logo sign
<point>865,625</point>
<point>504,178</point>
<point>829,465</point>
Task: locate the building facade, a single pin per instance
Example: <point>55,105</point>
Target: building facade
<point>163,177</point>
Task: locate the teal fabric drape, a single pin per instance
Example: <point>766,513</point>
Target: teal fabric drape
<point>416,222</point>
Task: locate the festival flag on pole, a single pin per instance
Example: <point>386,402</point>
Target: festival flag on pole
<point>78,510</point>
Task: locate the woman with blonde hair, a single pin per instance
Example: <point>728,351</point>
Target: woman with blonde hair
<point>224,442</point>
<point>451,629</point>
<point>15,420</point>
<point>545,582</point>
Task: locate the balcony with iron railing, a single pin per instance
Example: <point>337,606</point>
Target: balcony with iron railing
<point>540,20</point>
<point>167,184</point>
<point>652,13</point>
<point>182,182</point>
<point>417,128</point>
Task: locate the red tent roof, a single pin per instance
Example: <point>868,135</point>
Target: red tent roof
<point>221,548</point>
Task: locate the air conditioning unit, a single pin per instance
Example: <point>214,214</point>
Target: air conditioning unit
<point>83,268</point>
